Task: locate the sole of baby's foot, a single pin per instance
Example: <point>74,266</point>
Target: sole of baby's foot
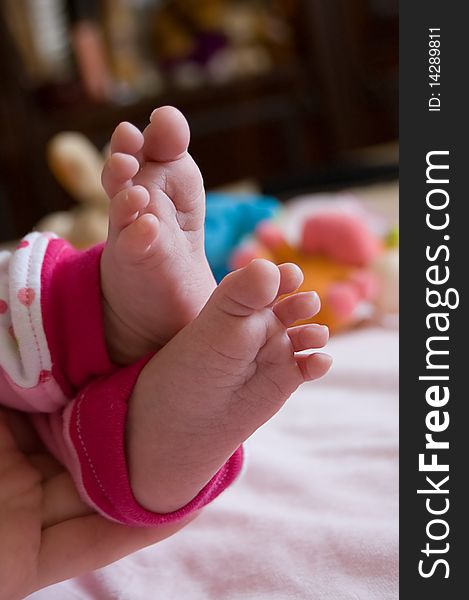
<point>154,272</point>
<point>218,380</point>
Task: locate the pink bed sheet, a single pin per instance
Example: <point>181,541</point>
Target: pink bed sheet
<point>315,516</point>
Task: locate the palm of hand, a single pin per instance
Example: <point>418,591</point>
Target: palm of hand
<point>47,534</point>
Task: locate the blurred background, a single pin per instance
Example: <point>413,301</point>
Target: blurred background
<point>283,96</point>
<point>293,108</point>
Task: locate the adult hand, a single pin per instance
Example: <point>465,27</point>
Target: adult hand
<point>47,534</point>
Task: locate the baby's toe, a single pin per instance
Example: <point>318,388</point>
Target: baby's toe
<point>118,173</point>
<point>166,165</point>
<point>298,306</point>
<point>134,241</point>
<point>127,139</point>
<point>125,207</point>
<point>313,366</point>
<point>249,289</point>
<point>304,337</point>
<point>167,136</point>
<point>291,277</point>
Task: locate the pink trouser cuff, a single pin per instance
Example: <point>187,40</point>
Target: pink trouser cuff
<point>94,427</point>
<point>72,314</point>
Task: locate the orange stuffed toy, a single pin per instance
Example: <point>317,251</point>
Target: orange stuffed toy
<point>336,252</point>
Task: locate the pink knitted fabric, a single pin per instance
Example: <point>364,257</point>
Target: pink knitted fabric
<point>95,426</point>
<point>72,314</point>
<point>88,434</point>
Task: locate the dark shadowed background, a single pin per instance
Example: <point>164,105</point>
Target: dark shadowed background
<point>287,93</point>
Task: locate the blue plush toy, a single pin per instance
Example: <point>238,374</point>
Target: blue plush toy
<point>230,218</point>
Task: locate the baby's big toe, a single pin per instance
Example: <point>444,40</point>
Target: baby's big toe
<point>249,289</point>
<point>167,135</point>
<point>257,286</point>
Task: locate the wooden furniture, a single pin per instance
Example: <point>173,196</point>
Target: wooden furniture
<point>339,94</point>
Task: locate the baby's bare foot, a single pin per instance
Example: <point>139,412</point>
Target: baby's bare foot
<point>155,276</point>
<point>218,380</point>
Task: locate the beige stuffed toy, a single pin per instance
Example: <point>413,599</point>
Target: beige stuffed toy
<point>77,164</point>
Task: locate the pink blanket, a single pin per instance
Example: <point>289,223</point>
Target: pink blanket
<point>315,516</point>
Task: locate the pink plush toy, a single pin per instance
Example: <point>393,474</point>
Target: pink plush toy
<point>341,237</point>
<point>336,254</point>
